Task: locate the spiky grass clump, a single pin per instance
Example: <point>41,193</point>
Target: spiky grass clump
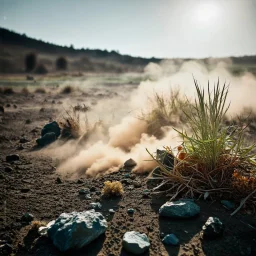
<point>165,111</point>
<point>114,188</point>
<point>211,152</point>
<point>70,124</point>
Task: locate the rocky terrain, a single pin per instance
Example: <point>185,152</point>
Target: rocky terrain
<point>31,189</point>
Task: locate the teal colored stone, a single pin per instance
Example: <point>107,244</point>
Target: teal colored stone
<point>170,239</point>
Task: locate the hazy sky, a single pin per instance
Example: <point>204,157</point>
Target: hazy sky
<point>160,28</point>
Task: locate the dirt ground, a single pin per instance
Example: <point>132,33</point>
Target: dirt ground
<point>30,186</point>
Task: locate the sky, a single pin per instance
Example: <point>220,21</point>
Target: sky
<point>146,28</point>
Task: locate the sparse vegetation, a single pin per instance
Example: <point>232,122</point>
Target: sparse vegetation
<point>67,89</point>
<point>8,91</point>
<point>213,158</point>
<point>40,90</point>
<point>61,63</point>
<point>30,61</point>
<point>41,69</point>
<point>114,188</point>
<point>166,111</point>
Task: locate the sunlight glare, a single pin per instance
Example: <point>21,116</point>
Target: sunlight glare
<point>207,12</point>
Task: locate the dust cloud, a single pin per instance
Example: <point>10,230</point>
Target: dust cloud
<point>125,135</point>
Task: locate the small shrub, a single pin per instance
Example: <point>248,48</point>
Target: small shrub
<point>41,69</point>
<point>114,188</point>
<point>36,224</point>
<point>167,110</point>
<point>40,90</point>
<point>213,158</point>
<point>30,62</point>
<point>61,63</point>
<point>25,91</point>
<point>81,108</point>
<point>67,89</point>
<point>8,91</point>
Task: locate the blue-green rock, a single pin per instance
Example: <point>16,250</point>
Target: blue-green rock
<point>213,228</point>
<point>48,138</point>
<point>76,229</point>
<point>170,239</point>
<point>228,204</point>
<point>51,127</point>
<point>182,209</point>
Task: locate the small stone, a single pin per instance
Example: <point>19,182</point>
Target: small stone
<point>135,242</point>
<point>52,127</point>
<point>136,184</point>
<point>92,189</point>
<point>27,217</point>
<point>24,190</point>
<point>96,206</point>
<point>171,239</point>
<point>11,158</point>
<point>46,139</point>
<point>6,249</point>
<point>228,204</point>
<point>24,140</point>
<point>8,169</point>
<point>84,191</point>
<point>213,228</point>
<point>130,163</point>
<point>112,211</point>
<point>58,180</point>
<point>42,231</point>
<point>79,181</point>
<point>88,196</point>
<point>131,211</point>
<point>182,209</point>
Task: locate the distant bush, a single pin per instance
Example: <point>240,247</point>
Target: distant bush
<point>41,69</point>
<point>61,63</point>
<point>40,90</point>
<point>8,91</point>
<point>30,61</point>
<point>25,91</point>
<point>67,89</point>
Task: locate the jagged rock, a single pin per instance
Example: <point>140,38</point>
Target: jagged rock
<point>181,209</point>
<point>170,239</point>
<point>51,127</point>
<point>213,228</point>
<point>112,211</point>
<point>76,229</point>
<point>47,138</point>
<point>11,158</point>
<point>130,163</point>
<point>228,204</point>
<point>96,206</point>
<point>135,242</point>
<point>27,217</point>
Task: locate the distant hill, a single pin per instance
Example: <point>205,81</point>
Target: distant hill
<point>14,47</point>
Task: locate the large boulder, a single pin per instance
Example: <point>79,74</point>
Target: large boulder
<point>76,229</point>
<point>51,127</point>
<point>135,242</point>
<point>182,209</point>
<point>48,138</point>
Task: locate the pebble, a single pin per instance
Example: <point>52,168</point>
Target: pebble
<point>11,158</point>
<point>170,239</point>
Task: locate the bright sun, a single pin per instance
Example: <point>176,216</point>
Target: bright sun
<point>206,12</point>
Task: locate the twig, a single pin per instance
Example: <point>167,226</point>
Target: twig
<point>242,203</point>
